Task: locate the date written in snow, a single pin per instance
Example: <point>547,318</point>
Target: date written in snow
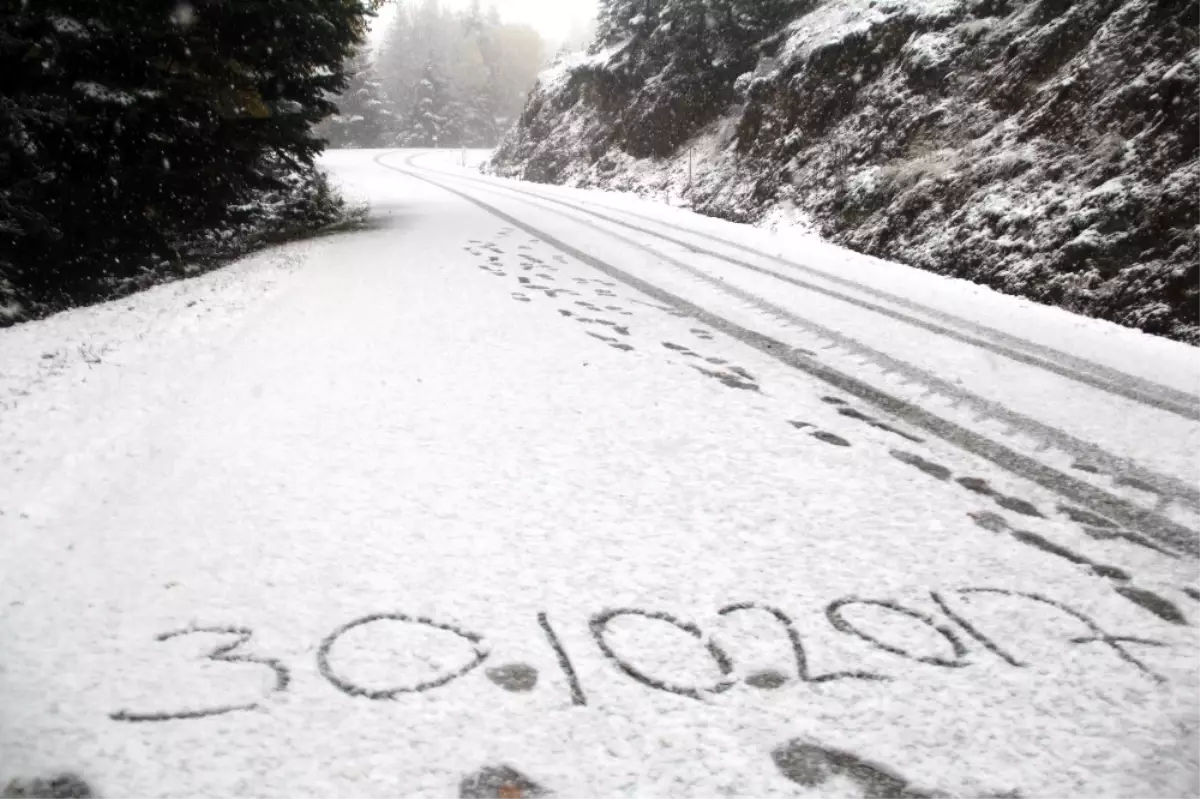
<point>950,625</point>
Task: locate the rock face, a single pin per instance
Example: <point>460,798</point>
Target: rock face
<point>1046,148</point>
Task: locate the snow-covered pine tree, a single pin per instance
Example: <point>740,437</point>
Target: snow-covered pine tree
<point>364,116</point>
<point>126,130</point>
<point>461,76</point>
<point>427,120</point>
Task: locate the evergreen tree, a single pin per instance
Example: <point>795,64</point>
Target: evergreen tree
<point>461,76</point>
<point>127,125</point>
<point>427,120</point>
<point>364,117</point>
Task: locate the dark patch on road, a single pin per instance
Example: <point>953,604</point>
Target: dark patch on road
<point>742,372</point>
<point>64,786</point>
<point>1017,505</point>
<point>732,381</point>
<point>1085,517</point>
<point>499,782</point>
<point>976,484</point>
<point>1140,485</point>
<point>1164,608</point>
<point>767,680</point>
<point>992,522</point>
<point>1108,534</point>
<point>1046,545</point>
<point>811,766</point>
<point>862,417</point>
<point>929,467</point>
<point>829,438</point>
<point>515,677</point>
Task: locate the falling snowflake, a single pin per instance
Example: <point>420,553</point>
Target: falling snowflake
<point>184,15</point>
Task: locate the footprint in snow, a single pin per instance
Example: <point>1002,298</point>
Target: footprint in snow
<point>929,467</point>
<point>732,381</point>
<point>679,348</point>
<point>499,782</point>
<point>520,297</point>
<point>862,417</point>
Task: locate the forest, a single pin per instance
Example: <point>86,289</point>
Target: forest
<point>141,140</point>
<point>441,78</point>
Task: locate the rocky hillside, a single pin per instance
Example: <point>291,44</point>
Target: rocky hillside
<point>1047,148</point>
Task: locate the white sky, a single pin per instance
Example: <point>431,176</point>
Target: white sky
<point>552,18</point>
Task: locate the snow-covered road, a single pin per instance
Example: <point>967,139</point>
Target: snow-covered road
<point>534,490</point>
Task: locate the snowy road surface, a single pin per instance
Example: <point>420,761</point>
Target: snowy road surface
<point>528,490</point>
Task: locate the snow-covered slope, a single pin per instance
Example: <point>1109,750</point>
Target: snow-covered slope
<point>1045,148</point>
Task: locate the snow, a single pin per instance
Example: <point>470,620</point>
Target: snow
<point>68,26</point>
<point>931,49</point>
<point>104,94</point>
<point>838,19</point>
<point>371,424</point>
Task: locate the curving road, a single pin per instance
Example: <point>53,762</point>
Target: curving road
<point>526,490</point>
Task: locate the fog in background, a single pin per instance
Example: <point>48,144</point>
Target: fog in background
<point>449,73</point>
<point>558,21</point>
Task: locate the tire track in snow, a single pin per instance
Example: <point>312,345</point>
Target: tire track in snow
<point>1088,456</point>
<point>1071,367</point>
<point>1024,466</point>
